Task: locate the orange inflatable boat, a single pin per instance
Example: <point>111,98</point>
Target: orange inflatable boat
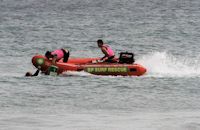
<point>85,64</point>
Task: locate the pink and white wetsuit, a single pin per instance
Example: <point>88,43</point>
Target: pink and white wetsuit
<point>59,53</point>
<point>109,51</point>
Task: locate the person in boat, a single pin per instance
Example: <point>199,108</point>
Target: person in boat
<point>29,74</point>
<point>56,55</point>
<point>109,53</point>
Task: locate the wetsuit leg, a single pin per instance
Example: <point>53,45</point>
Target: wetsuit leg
<point>66,55</point>
<point>110,59</point>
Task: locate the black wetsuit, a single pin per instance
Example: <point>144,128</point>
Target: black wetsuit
<point>110,59</point>
<point>66,55</point>
<point>36,73</point>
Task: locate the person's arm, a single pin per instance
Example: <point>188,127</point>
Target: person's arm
<point>37,72</point>
<point>103,57</point>
<point>105,52</point>
<point>54,59</point>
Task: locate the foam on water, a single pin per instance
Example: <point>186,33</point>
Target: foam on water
<point>86,74</point>
<point>76,73</point>
<point>163,64</point>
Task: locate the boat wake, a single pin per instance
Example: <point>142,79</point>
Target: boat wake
<point>76,73</point>
<point>162,64</point>
<point>84,74</point>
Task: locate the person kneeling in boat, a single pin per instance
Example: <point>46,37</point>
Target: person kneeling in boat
<point>29,74</point>
<point>109,53</point>
<point>57,55</point>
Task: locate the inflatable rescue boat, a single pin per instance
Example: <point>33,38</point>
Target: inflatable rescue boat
<point>123,67</point>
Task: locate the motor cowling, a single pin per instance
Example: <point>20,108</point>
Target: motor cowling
<point>126,57</point>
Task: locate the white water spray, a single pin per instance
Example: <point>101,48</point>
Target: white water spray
<point>162,64</point>
<point>76,73</point>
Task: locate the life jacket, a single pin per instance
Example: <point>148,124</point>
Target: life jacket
<point>109,51</point>
<point>59,53</point>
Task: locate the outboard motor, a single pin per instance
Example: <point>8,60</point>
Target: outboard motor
<point>126,57</point>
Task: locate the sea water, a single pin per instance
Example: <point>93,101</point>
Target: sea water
<point>164,35</point>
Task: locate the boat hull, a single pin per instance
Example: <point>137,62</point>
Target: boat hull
<point>85,64</point>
